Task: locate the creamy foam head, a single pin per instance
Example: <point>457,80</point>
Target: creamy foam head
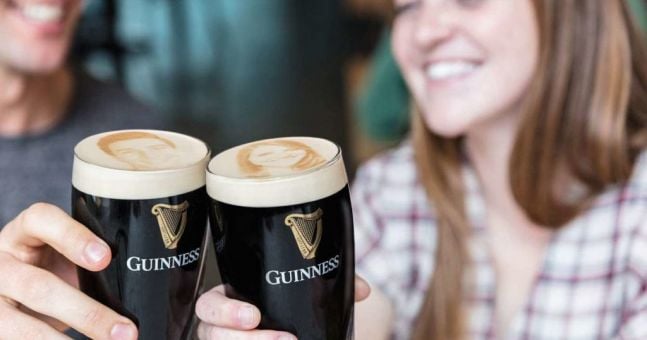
<point>277,172</point>
<point>139,164</point>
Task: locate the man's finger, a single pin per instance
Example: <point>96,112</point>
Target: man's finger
<point>17,325</point>
<point>215,308</point>
<point>56,324</point>
<point>44,224</point>
<point>45,293</point>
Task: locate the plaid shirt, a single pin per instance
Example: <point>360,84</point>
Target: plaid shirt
<point>592,284</point>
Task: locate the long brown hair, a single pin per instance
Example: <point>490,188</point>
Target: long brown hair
<point>585,122</point>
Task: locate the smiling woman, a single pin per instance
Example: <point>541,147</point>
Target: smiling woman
<point>465,78</point>
<point>529,127</point>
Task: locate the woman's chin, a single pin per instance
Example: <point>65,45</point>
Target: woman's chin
<point>446,127</point>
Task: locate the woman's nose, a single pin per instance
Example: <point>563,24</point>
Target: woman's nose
<point>434,22</point>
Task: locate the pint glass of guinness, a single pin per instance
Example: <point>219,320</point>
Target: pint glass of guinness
<point>282,225</point>
<point>143,192</point>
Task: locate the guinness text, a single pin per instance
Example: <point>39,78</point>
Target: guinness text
<point>275,277</point>
<point>137,264</point>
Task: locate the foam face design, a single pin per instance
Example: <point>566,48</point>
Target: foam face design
<point>139,164</point>
<point>276,172</point>
<point>276,158</point>
<point>140,150</point>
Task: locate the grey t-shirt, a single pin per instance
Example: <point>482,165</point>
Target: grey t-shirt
<point>39,168</point>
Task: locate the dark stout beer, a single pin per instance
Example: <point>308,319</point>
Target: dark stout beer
<point>282,225</point>
<point>143,192</point>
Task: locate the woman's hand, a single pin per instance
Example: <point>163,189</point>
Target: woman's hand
<point>225,318</point>
<point>39,295</point>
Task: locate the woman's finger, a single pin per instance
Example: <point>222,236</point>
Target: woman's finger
<point>210,332</point>
<point>215,308</point>
<point>362,289</point>
<point>44,224</point>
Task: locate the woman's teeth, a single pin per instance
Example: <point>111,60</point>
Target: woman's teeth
<point>449,69</point>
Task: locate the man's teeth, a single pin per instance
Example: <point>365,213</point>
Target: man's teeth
<point>448,69</point>
<point>42,13</point>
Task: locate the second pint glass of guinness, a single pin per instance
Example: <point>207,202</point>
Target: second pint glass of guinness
<point>143,192</point>
<point>282,225</point>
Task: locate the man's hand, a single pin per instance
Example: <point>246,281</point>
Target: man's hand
<point>39,295</point>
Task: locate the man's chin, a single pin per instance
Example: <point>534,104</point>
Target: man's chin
<point>41,70</point>
<point>38,64</point>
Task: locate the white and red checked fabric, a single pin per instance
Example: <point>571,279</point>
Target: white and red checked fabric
<point>593,281</point>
